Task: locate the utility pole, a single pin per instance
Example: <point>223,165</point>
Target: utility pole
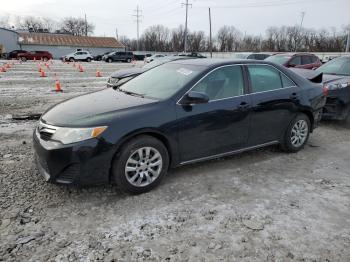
<point>138,15</point>
<point>185,34</point>
<point>116,33</point>
<point>85,26</point>
<point>348,42</point>
<point>210,36</point>
<point>299,31</point>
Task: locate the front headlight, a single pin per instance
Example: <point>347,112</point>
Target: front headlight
<point>72,135</point>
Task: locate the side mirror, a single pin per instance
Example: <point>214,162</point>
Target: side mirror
<point>193,97</point>
<point>292,65</point>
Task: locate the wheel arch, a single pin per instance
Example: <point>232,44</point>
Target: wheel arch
<point>147,132</point>
<point>310,115</point>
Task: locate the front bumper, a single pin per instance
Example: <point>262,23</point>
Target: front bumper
<point>83,163</point>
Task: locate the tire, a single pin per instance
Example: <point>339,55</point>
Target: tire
<point>109,60</point>
<point>71,59</point>
<point>45,59</point>
<point>128,60</point>
<point>88,59</point>
<point>293,142</point>
<point>138,178</point>
<point>23,59</point>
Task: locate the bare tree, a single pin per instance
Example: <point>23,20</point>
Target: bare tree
<point>76,26</point>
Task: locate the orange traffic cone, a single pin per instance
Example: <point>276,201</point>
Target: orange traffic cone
<point>3,69</point>
<point>42,73</point>
<point>39,69</point>
<point>8,66</point>
<point>34,59</point>
<point>98,73</point>
<point>58,86</point>
<point>81,69</point>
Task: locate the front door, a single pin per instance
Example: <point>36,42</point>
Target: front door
<point>222,124</point>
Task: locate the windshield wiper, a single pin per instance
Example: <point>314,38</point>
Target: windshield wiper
<point>130,93</point>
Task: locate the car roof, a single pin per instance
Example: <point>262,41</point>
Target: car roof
<point>214,62</point>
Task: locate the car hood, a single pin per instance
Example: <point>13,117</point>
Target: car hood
<point>335,78</point>
<point>127,72</point>
<point>97,108</point>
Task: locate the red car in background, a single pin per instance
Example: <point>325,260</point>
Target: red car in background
<point>38,55</point>
<point>297,60</point>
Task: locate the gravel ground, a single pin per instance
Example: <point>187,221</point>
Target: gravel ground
<point>263,205</point>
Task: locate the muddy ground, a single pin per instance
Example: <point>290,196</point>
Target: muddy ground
<point>263,205</point>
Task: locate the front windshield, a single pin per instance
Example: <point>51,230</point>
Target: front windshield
<point>338,66</point>
<point>278,59</point>
<point>163,81</point>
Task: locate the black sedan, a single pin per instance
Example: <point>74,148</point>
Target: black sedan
<point>178,113</point>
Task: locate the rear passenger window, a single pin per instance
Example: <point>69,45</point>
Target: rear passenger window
<point>264,78</point>
<point>222,83</point>
<point>286,82</point>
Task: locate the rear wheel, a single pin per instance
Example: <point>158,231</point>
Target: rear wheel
<point>45,59</point>
<point>109,60</point>
<point>71,59</point>
<point>23,59</point>
<point>297,134</point>
<point>140,165</point>
<point>128,60</point>
<point>88,59</point>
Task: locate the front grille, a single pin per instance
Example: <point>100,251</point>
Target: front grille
<point>45,135</point>
<point>46,131</point>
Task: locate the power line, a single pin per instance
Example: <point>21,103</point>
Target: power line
<point>185,34</point>
<point>138,15</point>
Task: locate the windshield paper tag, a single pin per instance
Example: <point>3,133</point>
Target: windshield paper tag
<point>184,71</point>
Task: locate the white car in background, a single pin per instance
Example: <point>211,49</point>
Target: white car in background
<point>79,56</point>
<point>153,57</point>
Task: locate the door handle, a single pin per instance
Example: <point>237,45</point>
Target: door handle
<point>243,106</point>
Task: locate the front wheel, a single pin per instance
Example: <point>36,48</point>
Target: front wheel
<point>140,165</point>
<point>23,59</point>
<point>71,59</point>
<point>297,134</point>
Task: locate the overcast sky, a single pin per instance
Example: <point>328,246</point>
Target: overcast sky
<point>250,16</point>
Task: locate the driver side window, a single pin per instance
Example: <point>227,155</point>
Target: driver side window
<point>222,83</point>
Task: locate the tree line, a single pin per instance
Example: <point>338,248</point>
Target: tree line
<point>68,25</point>
<point>230,39</point>
<point>159,38</point>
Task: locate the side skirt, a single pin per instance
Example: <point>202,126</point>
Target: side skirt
<point>228,153</point>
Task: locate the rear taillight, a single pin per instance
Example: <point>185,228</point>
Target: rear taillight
<point>325,90</point>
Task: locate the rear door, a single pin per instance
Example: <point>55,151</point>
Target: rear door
<point>274,103</point>
<point>222,124</point>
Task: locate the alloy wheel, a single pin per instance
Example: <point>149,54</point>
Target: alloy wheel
<point>300,132</point>
<point>143,166</point>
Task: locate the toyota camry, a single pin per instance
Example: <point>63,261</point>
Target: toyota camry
<point>181,112</point>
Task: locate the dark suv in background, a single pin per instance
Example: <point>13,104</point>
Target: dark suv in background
<point>297,60</point>
<point>118,56</point>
